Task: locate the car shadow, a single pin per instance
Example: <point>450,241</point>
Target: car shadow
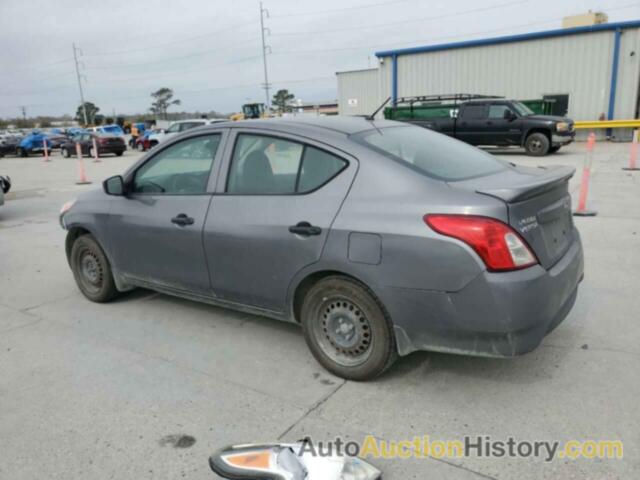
<point>529,368</point>
<point>417,367</point>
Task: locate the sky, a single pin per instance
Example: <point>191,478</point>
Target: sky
<point>209,51</point>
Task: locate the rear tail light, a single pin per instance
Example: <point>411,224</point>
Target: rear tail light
<point>499,246</point>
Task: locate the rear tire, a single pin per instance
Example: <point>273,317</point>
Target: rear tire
<point>21,152</point>
<point>91,270</point>
<point>347,329</point>
<point>65,153</point>
<point>119,154</point>
<point>537,144</point>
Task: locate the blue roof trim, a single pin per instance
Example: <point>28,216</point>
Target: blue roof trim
<point>512,38</point>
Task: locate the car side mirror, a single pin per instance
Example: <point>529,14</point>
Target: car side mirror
<point>114,186</point>
<point>287,462</point>
<point>509,115</point>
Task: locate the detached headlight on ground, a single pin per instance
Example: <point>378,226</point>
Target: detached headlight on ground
<point>562,126</point>
<point>287,462</point>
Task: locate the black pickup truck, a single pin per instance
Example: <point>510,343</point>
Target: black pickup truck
<point>501,122</point>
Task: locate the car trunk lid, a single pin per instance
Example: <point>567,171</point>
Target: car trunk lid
<point>538,203</point>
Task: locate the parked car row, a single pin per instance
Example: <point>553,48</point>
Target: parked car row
<point>108,139</point>
<point>145,139</point>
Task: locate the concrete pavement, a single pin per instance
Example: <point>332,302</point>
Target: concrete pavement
<point>102,391</point>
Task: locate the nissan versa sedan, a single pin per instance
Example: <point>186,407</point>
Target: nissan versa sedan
<point>379,238</point>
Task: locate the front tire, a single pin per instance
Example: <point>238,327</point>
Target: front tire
<point>65,153</point>
<point>537,144</point>
<point>554,149</point>
<point>91,270</point>
<point>21,152</point>
<point>347,329</point>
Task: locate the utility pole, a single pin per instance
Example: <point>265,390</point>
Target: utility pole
<point>264,12</point>
<point>24,113</point>
<point>84,108</point>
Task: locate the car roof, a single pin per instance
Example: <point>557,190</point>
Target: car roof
<point>329,124</point>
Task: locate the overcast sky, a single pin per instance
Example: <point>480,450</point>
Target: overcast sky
<point>209,51</point>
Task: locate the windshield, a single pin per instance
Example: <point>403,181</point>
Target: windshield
<point>431,153</point>
<point>522,109</point>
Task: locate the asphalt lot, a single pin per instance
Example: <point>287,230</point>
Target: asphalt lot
<point>97,391</point>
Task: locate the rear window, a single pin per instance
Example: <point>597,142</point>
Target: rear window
<point>431,153</point>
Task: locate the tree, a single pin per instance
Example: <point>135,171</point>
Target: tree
<point>162,100</point>
<point>91,108</point>
<point>281,100</point>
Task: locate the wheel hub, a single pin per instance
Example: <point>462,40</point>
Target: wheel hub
<point>91,269</point>
<point>346,331</point>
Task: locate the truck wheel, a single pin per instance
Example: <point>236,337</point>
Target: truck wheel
<point>347,329</point>
<point>91,270</point>
<point>554,149</point>
<point>537,144</point>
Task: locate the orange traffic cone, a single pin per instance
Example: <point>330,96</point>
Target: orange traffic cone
<point>582,211</point>
<point>83,176</point>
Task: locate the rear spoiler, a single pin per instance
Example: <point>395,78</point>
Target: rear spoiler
<point>550,179</point>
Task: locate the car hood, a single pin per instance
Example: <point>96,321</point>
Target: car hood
<point>549,118</point>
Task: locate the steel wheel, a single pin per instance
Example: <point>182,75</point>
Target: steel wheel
<point>347,328</point>
<point>343,332</point>
<point>91,271</point>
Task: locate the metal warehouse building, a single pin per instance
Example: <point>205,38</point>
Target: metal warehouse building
<point>590,71</point>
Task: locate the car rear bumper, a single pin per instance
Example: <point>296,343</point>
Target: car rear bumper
<point>111,149</point>
<point>496,314</point>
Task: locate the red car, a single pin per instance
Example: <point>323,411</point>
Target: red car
<point>106,143</point>
<point>143,143</point>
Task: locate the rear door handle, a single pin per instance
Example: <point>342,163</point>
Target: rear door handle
<point>305,229</point>
<point>182,220</point>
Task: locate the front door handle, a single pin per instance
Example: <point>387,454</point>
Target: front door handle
<point>182,220</point>
<point>305,229</point>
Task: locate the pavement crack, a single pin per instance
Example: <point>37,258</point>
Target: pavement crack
<point>452,464</point>
<point>313,408</point>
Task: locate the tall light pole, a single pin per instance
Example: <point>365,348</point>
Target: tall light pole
<point>84,108</point>
<point>264,12</point>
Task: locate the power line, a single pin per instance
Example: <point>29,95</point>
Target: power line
<point>333,10</point>
<point>169,59</point>
<point>402,22</point>
<point>169,44</point>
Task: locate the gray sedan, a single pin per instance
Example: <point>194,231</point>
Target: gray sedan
<point>379,238</point>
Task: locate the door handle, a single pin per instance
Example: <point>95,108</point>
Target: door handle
<point>305,229</point>
<point>182,220</point>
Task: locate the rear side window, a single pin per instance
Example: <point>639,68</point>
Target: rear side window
<point>265,165</point>
<point>475,111</point>
<point>318,167</point>
<point>431,153</point>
